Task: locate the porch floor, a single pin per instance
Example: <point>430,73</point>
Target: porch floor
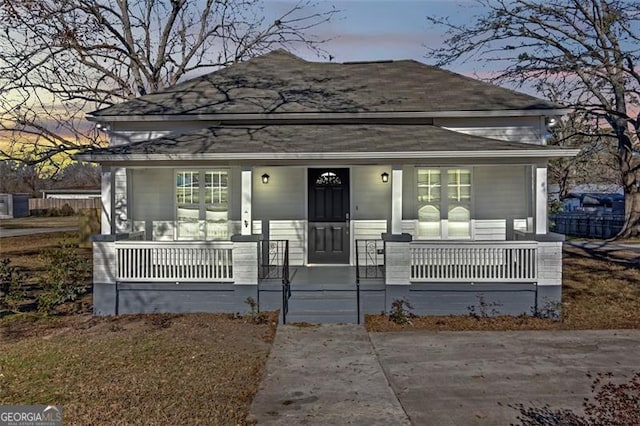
<point>323,277</point>
<point>325,294</point>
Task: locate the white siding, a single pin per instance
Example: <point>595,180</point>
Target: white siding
<point>410,227</point>
<point>122,132</point>
<point>283,197</point>
<point>409,193</point>
<point>126,137</point>
<point>234,227</point>
<point>499,192</point>
<point>520,224</point>
<point>368,229</point>
<point>371,198</point>
<point>152,194</point>
<point>515,129</point>
<point>152,204</point>
<point>295,231</point>
<point>235,194</point>
<point>483,230</point>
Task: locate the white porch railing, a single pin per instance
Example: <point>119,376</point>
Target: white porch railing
<point>509,261</point>
<point>153,261</point>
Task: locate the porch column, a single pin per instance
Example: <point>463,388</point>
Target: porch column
<point>105,294</point>
<point>396,200</point>
<point>245,204</point>
<point>120,190</point>
<point>106,198</point>
<point>245,259</point>
<point>541,199</point>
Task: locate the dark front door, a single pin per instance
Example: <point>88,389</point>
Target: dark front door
<point>328,215</point>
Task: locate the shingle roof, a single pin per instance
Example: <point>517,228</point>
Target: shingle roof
<point>316,138</point>
<point>279,82</point>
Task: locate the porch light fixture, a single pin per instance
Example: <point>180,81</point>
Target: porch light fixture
<point>265,178</point>
<point>385,177</point>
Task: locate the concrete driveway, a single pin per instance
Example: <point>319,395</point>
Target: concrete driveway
<point>469,378</point>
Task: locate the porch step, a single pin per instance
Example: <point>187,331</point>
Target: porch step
<point>321,306</point>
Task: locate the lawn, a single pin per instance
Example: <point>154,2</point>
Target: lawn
<point>205,368</point>
<point>40,222</point>
<point>139,369</point>
<point>142,369</point>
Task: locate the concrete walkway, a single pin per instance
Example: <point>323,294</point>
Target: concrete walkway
<point>338,374</point>
<point>325,375</point>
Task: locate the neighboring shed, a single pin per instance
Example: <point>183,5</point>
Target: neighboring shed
<point>14,205</point>
<point>71,193</point>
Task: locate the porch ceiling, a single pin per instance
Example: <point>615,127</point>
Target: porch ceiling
<point>321,141</point>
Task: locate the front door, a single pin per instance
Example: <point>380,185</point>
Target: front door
<point>329,215</point>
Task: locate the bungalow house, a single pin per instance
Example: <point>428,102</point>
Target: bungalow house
<point>412,181</point>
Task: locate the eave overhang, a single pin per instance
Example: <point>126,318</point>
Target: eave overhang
<point>357,157</point>
<point>321,116</point>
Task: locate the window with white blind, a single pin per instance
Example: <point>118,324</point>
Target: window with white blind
<point>459,203</point>
<point>429,189</point>
<point>202,204</point>
<point>444,194</point>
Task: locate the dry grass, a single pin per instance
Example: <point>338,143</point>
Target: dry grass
<point>25,254</point>
<point>601,290</point>
<point>142,369</point>
<point>24,251</point>
<point>40,222</point>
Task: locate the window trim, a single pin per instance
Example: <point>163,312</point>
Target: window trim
<point>202,205</point>
<point>445,202</point>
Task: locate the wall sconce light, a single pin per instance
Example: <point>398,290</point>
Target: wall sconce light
<point>265,178</point>
<point>103,127</point>
<point>385,177</point>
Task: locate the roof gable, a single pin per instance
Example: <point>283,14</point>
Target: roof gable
<point>279,82</point>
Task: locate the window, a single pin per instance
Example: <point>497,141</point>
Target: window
<point>328,178</point>
<point>429,188</point>
<point>440,191</point>
<point>459,203</point>
<point>202,204</point>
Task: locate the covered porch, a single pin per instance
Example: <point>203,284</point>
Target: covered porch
<point>439,278</point>
<point>192,230</point>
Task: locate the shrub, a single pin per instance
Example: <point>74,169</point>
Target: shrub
<point>401,312</point>
<point>484,309</point>
<point>64,278</point>
<point>613,405</point>
<point>549,310</point>
<point>254,311</point>
<point>11,289</point>
<point>67,210</point>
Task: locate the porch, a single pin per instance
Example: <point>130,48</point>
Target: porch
<point>438,278</point>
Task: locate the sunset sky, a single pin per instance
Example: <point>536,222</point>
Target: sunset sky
<point>379,29</point>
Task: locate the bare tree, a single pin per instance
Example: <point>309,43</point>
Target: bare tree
<point>587,49</point>
<point>61,58</point>
<point>78,175</point>
<point>18,176</point>
<point>594,163</point>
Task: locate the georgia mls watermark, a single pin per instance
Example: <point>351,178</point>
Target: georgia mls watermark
<point>30,415</point>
